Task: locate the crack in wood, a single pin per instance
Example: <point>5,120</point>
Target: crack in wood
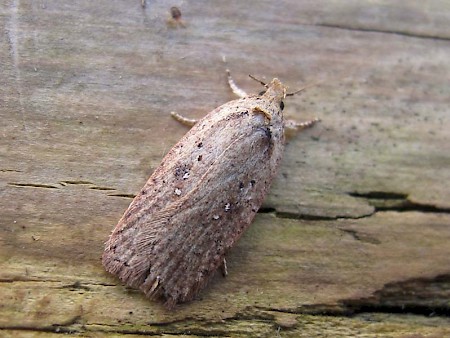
<point>10,171</point>
<point>391,201</point>
<point>68,182</point>
<point>122,195</point>
<point>33,185</point>
<point>381,31</point>
<point>308,217</point>
<point>75,286</point>
<point>420,296</point>
<point>102,188</point>
<point>310,309</point>
<point>361,236</point>
<point>26,280</point>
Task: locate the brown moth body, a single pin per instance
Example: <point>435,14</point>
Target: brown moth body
<point>175,18</point>
<point>198,202</point>
<point>175,13</point>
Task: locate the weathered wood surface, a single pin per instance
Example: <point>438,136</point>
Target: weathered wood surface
<point>354,237</point>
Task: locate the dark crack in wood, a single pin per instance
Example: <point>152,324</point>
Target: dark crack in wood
<point>75,182</point>
<point>390,201</point>
<point>361,236</point>
<point>420,296</point>
<point>381,31</point>
<point>123,195</point>
<point>33,185</point>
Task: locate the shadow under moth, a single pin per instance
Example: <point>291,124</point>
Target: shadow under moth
<point>201,198</point>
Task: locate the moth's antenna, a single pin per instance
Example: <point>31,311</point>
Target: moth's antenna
<point>296,92</point>
<point>303,88</point>
<point>258,80</point>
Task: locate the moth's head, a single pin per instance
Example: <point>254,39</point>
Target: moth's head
<point>275,91</point>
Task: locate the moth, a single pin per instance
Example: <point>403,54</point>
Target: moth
<point>198,202</point>
<point>175,20</point>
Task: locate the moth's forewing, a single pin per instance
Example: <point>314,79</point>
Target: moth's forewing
<point>198,202</point>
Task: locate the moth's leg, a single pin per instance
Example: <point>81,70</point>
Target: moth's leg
<point>292,127</point>
<point>224,267</point>
<point>238,91</point>
<point>183,120</point>
<point>155,285</point>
